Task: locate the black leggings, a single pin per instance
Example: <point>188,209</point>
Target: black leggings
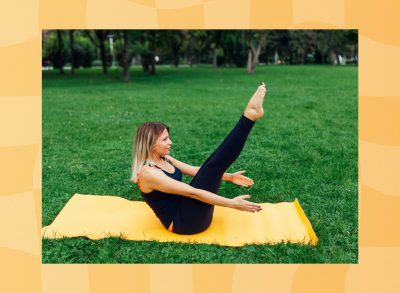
<point>193,215</point>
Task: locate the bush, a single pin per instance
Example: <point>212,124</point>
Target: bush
<point>84,51</point>
<point>50,50</point>
<point>97,63</point>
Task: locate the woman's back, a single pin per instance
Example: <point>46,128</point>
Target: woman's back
<point>164,205</point>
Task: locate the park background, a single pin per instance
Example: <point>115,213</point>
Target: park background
<point>378,146</point>
<point>198,82</point>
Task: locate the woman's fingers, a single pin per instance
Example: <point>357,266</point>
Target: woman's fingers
<point>254,205</point>
<point>243,180</point>
<point>244,177</point>
<point>244,196</point>
<point>246,182</point>
<point>253,209</point>
<point>248,205</point>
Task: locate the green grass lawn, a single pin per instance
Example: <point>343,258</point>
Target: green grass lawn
<point>304,147</point>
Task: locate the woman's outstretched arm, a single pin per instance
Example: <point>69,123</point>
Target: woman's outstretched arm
<point>185,168</point>
<point>236,177</point>
<point>156,179</point>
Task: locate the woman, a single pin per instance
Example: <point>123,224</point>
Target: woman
<point>188,208</point>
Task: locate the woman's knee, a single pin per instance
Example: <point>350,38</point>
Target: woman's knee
<point>195,223</point>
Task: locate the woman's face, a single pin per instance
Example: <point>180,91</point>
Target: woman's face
<point>163,144</point>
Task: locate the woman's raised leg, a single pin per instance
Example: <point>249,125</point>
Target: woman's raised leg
<point>195,216</point>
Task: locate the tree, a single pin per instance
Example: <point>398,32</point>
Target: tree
<point>71,46</point>
<point>234,48</point>
<point>302,42</point>
<point>352,44</point>
<point>172,40</point>
<point>337,39</point>
<point>145,44</point>
<point>256,41</point>
<point>126,59</point>
<point>277,48</point>
<point>151,38</point>
<point>215,38</point>
<point>322,46</point>
<point>98,38</point>
<point>81,51</point>
<point>59,60</point>
<point>196,45</point>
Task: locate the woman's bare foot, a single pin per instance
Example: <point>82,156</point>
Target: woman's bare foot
<point>254,109</point>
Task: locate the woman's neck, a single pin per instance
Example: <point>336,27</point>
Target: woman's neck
<point>157,159</point>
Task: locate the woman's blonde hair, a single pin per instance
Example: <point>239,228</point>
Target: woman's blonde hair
<point>145,140</point>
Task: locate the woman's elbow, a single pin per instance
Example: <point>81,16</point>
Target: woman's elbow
<point>194,171</point>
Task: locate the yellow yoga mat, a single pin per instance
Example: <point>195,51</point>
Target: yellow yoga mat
<point>97,217</point>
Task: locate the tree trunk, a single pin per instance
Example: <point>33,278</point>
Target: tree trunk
<point>145,62</point>
<point>249,60</point>
<point>276,57</point>
<point>215,59</point>
<point>59,53</point>
<point>337,58</point>
<point>153,43</point>
<point>101,36</point>
<point>254,53</point>
<point>152,70</point>
<point>176,60</point>
<point>175,55</point>
<point>126,57</point>
<point>71,44</point>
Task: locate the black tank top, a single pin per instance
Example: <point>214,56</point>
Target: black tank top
<point>164,204</point>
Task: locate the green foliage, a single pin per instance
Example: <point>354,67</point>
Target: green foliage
<point>304,147</point>
<point>170,46</point>
<point>95,37</point>
<point>85,52</point>
<point>51,51</point>
<point>276,41</point>
<point>234,48</point>
<point>218,47</point>
<point>302,43</point>
<point>196,46</point>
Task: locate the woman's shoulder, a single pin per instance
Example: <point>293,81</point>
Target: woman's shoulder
<point>148,172</point>
<point>170,159</point>
<point>144,177</point>
<point>167,158</point>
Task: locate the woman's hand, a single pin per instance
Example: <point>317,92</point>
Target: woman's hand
<point>239,179</point>
<point>240,203</point>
